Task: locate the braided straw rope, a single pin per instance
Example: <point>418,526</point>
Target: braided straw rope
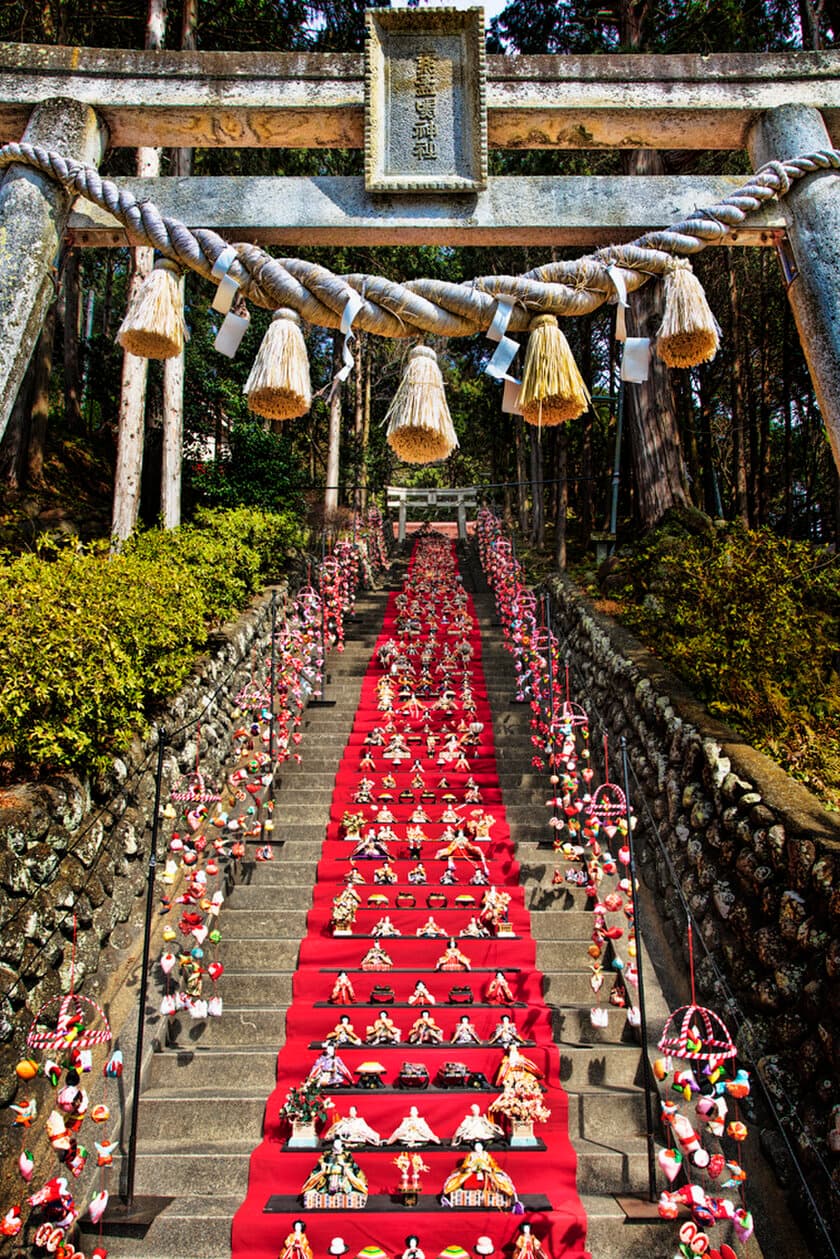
<point>424,306</point>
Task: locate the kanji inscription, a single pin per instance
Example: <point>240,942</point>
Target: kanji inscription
<point>425,100</point>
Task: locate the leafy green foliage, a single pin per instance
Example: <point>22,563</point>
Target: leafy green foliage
<point>750,620</point>
<point>260,472</point>
<point>91,642</point>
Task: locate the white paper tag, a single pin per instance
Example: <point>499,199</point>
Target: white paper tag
<point>354,304</point>
<point>503,356</point>
<point>507,348</point>
<point>510,398</point>
<point>230,335</point>
<point>225,293</point>
<point>228,286</point>
<point>621,289</point>
<point>635,361</point>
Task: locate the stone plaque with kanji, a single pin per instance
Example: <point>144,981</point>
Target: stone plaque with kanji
<point>425,100</point>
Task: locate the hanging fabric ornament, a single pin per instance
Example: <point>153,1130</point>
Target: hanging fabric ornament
<point>153,326</point>
<point>420,427</point>
<point>552,388</point>
<point>278,386</point>
<point>689,333</point>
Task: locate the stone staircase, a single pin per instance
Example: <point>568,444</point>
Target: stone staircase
<point>204,1095</point>
<point>600,1068</point>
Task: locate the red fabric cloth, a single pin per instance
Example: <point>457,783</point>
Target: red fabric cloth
<point>275,1170</point>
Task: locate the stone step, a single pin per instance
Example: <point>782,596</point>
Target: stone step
<point>247,988</point>
<point>193,1067</point>
<point>259,1024</point>
<point>607,1114</point>
<point>602,1168</point>
<point>200,1119</point>
<point>610,1235</point>
<point>572,1025</point>
<point>197,1065</point>
<point>288,884</point>
<point>268,897</point>
<point>286,849</point>
<point>291,871</point>
<point>194,1226</point>
<point>203,1116</point>
<point>275,922</point>
<point>566,986</point>
<point>260,955</point>
<point>613,1066</point>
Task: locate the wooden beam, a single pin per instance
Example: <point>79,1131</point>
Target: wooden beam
<point>315,100</point>
<point>526,210</point>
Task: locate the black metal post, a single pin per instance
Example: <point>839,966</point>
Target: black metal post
<point>616,476</point>
<point>550,635</point>
<point>144,972</point>
<point>647,1073</point>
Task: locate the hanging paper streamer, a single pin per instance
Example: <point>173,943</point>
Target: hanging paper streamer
<point>228,286</point>
<point>354,304</point>
<point>504,355</point>
<point>635,360</point>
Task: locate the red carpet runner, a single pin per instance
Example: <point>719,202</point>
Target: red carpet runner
<point>421,747</point>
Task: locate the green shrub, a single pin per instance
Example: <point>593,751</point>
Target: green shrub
<point>91,642</point>
<point>750,620</point>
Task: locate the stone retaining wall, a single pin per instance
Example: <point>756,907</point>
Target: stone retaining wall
<point>71,845</point>
<point>756,856</point>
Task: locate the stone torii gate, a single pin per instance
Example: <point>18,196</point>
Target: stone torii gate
<point>461,499</point>
<point>79,101</point>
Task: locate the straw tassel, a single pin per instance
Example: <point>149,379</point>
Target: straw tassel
<point>153,326</point>
<point>278,386</point>
<point>420,428</point>
<point>552,388</point>
<point>689,334</point>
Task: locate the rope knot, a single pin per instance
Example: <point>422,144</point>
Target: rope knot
<point>780,171</point>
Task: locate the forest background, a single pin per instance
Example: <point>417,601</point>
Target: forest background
<point>743,434</point>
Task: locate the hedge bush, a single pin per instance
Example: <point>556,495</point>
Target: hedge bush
<point>750,620</point>
<point>91,642</point>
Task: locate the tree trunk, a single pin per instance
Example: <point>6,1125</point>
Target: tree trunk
<point>809,22</point>
<point>363,485</point>
<point>521,473</point>
<point>711,497</point>
<point>585,497</point>
<point>358,419</point>
<point>181,160</point>
<point>135,370</point>
<point>538,507</point>
<point>173,438</point>
<point>334,438</point>
<point>562,466</point>
<point>650,410</point>
<point>14,445</point>
<point>41,400</point>
<point>739,402</point>
<point>72,366</point>
<point>109,293</point>
<point>788,414</point>
<point>174,369</point>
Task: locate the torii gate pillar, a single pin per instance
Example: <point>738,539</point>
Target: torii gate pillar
<point>33,215</point>
<point>812,214</point>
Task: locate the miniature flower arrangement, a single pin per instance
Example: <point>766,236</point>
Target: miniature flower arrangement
<point>521,1101</point>
<point>306,1104</point>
